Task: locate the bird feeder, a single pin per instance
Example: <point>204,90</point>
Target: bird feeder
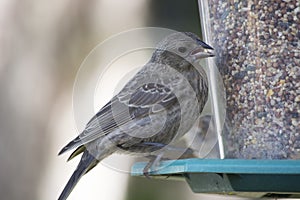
<point>250,178</point>
<point>258,59</point>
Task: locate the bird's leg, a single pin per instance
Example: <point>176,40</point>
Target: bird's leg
<point>155,159</point>
<point>153,162</point>
<point>153,144</point>
<point>186,152</point>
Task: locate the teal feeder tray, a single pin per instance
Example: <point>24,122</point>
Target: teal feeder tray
<point>251,178</point>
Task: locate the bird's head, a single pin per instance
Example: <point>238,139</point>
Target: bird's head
<point>185,45</point>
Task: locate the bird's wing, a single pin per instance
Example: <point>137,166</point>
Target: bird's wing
<point>126,107</point>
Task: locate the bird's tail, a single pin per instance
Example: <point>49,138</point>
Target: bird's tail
<point>86,163</point>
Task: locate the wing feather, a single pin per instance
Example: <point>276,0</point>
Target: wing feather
<point>120,111</point>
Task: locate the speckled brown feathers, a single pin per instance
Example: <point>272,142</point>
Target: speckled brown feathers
<point>159,104</point>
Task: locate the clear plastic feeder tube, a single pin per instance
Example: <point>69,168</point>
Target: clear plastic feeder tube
<point>258,56</point>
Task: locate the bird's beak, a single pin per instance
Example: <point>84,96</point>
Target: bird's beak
<point>201,52</point>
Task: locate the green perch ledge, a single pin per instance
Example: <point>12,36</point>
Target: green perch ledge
<point>250,178</point>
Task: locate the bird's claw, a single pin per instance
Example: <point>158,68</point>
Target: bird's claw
<point>153,163</point>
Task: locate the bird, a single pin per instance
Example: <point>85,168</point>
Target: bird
<point>154,108</point>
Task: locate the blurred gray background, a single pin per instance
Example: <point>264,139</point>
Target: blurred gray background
<point>42,44</point>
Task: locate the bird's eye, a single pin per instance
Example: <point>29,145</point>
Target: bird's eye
<point>182,49</point>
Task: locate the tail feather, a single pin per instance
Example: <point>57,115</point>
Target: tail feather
<point>78,151</point>
<point>71,145</point>
<point>87,162</point>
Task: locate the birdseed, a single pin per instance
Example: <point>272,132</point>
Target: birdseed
<point>258,55</point>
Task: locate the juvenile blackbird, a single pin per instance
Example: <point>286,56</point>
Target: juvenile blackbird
<point>158,105</point>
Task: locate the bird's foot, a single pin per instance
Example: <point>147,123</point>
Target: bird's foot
<point>185,152</point>
<point>152,164</point>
